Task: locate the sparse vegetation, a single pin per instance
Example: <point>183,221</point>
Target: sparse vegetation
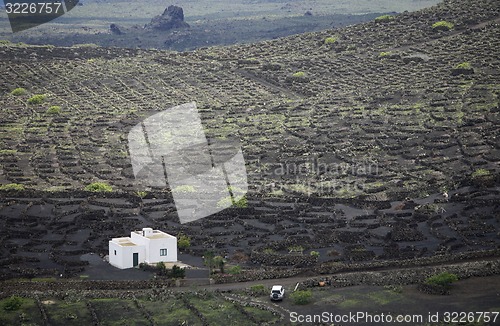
<point>55,109</point>
<point>13,303</point>
<point>301,297</point>
<point>258,289</point>
<point>99,187</point>
<point>37,99</point>
<point>12,186</point>
<point>444,279</point>
<point>18,91</point>
<point>315,254</point>
<point>443,25</point>
<point>463,65</point>
<point>228,202</point>
<point>331,40</point>
<point>385,54</point>
<point>235,270</point>
<point>481,173</point>
<point>299,74</point>
<point>296,249</point>
<point>384,18</point>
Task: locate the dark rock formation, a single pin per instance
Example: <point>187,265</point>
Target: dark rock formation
<point>115,29</point>
<point>172,18</point>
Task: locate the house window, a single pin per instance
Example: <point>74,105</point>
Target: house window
<point>163,252</point>
<point>115,252</point>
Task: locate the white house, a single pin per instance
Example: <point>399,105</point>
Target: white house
<point>146,246</point>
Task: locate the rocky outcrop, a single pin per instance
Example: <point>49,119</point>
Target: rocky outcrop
<point>172,18</point>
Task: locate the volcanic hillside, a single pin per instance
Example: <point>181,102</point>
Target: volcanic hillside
<point>402,106</point>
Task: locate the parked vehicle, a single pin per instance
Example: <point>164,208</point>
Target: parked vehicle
<point>277,293</point>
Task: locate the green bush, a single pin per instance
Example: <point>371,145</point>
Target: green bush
<point>443,25</point>
<point>19,91</point>
<point>384,18</point>
<point>228,202</point>
<point>331,40</point>
<point>183,241</point>
<point>385,54</point>
<point>301,297</point>
<point>55,109</point>
<point>98,187</point>
<point>481,173</point>
<point>13,303</point>
<point>12,186</point>
<point>258,289</point>
<point>235,270</point>
<point>176,272</point>
<point>37,99</point>
<point>463,65</point>
<point>444,279</point>
<point>299,74</point>
<point>314,254</point>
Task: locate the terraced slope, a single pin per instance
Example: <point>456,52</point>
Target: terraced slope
<point>379,112</point>
<point>383,96</point>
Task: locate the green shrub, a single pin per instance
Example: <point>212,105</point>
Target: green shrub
<point>481,173</point>
<point>13,303</point>
<point>314,254</point>
<point>235,270</point>
<point>228,202</point>
<point>384,18</point>
<point>98,187</point>
<point>443,25</point>
<point>297,249</point>
<point>12,186</point>
<point>55,109</point>
<point>444,279</point>
<point>258,289</point>
<point>37,99</point>
<point>176,272</point>
<point>18,91</point>
<point>331,40</point>
<point>301,297</point>
<point>463,65</point>
<point>5,42</point>
<point>385,54</point>
<point>183,241</point>
<point>299,74</point>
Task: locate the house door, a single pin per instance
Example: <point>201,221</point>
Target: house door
<point>136,259</point>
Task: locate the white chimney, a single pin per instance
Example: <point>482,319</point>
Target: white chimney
<point>146,232</point>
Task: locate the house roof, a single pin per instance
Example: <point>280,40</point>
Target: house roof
<point>124,242</point>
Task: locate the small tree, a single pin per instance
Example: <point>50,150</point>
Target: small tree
<point>162,269</point>
<point>301,297</point>
<point>177,272</point>
<point>183,241</point>
<point>208,260</point>
<point>219,262</point>
<point>13,303</point>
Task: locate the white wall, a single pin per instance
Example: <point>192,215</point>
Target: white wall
<point>124,257</point>
<point>169,243</point>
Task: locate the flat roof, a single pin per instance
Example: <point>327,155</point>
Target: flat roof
<point>124,241</point>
